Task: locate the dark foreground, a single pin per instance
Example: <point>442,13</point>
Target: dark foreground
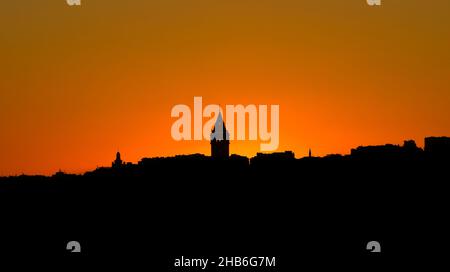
<point>308,211</point>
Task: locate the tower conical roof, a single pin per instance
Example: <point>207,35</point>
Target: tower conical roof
<point>219,131</point>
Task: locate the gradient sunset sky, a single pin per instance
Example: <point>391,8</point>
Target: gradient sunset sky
<point>79,83</point>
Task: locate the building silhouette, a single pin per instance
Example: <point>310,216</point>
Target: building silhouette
<point>409,150</point>
<point>117,163</point>
<point>220,143</point>
<point>276,158</point>
<point>437,147</point>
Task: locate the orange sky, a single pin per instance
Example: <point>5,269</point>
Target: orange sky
<point>79,83</point>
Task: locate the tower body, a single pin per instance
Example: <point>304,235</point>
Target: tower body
<point>220,143</point>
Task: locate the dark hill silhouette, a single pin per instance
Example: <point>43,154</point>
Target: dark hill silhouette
<point>191,204</point>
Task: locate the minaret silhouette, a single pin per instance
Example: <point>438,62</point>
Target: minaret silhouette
<point>310,152</point>
<point>118,162</point>
<point>220,143</point>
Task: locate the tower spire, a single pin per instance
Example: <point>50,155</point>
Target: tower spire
<point>220,139</point>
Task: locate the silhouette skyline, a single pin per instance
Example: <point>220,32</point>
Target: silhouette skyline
<point>86,95</point>
<point>435,149</point>
<point>385,192</point>
<point>340,82</point>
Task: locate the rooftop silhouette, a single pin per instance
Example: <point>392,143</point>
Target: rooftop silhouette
<point>353,196</point>
<point>436,150</point>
